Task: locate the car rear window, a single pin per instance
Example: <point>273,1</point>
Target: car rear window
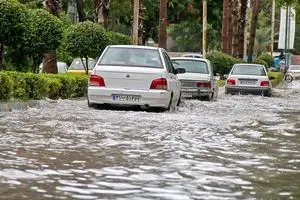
<point>133,57</point>
<point>77,64</point>
<point>191,66</point>
<point>249,70</point>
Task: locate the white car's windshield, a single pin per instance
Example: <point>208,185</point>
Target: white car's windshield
<point>134,57</point>
<point>294,67</point>
<point>191,66</point>
<point>77,64</point>
<point>253,70</point>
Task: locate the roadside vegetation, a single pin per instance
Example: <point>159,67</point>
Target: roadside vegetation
<point>34,32</point>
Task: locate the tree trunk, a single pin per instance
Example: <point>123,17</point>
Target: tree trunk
<point>1,55</point>
<point>50,58</point>
<point>141,21</point>
<point>102,11</point>
<point>230,28</point>
<point>255,12</point>
<point>225,21</point>
<point>50,62</point>
<point>80,10</point>
<point>235,26</point>
<point>242,25</point>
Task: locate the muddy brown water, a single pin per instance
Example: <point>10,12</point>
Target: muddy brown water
<point>238,147</point>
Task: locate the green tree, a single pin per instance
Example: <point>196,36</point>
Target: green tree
<point>44,33</point>
<point>12,16</point>
<point>86,39</point>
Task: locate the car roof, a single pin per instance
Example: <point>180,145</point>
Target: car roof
<point>135,47</point>
<point>189,58</point>
<point>248,64</point>
<point>192,54</point>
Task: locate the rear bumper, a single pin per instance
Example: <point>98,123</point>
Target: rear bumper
<point>195,92</point>
<point>148,98</point>
<point>248,90</point>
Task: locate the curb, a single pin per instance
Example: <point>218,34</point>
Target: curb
<point>10,106</point>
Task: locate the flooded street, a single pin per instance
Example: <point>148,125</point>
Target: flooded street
<point>238,147</point>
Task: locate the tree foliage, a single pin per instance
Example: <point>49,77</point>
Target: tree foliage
<point>12,17</point>
<point>86,39</point>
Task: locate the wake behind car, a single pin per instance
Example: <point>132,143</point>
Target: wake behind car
<point>198,81</point>
<point>134,76</point>
<point>248,79</point>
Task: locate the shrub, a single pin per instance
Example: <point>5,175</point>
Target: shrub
<point>54,87</point>
<point>36,86</point>
<point>25,86</point>
<point>118,38</point>
<point>81,82</point>
<point>222,62</point>
<point>267,58</point>
<point>5,87</point>
<point>68,86</point>
<point>278,77</point>
<point>261,62</point>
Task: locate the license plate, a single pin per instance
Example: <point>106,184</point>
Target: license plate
<point>186,95</point>
<point>247,82</point>
<point>132,98</point>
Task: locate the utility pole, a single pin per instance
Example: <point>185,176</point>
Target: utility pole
<point>135,27</point>
<point>204,34</point>
<point>287,35</point>
<point>272,28</point>
<point>163,24</point>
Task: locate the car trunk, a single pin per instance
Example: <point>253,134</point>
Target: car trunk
<point>135,78</point>
<point>246,80</point>
<point>189,80</point>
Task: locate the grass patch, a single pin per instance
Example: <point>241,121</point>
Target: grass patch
<point>278,78</point>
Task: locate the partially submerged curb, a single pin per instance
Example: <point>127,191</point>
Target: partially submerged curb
<point>22,105</point>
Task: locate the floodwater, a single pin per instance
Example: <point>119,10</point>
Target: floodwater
<point>238,147</point>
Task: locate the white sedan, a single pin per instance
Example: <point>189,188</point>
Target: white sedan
<point>199,80</point>
<point>134,76</point>
<point>248,79</point>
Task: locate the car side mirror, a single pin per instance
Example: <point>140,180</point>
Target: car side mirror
<point>179,71</point>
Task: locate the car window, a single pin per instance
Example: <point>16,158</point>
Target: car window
<point>249,70</point>
<point>134,57</point>
<point>169,64</point>
<point>77,64</point>
<point>192,66</point>
<point>294,67</point>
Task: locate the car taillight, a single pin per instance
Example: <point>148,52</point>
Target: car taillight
<point>159,84</point>
<point>265,83</point>
<point>204,84</point>
<point>230,82</point>
<point>96,80</point>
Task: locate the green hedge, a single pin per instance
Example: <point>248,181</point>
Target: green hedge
<point>278,78</point>
<point>268,59</point>
<point>222,62</point>
<point>25,86</point>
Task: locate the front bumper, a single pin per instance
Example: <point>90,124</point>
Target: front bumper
<point>248,90</point>
<point>195,92</point>
<point>148,98</point>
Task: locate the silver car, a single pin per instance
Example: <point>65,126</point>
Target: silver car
<point>198,81</point>
<point>248,79</point>
<point>294,71</point>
